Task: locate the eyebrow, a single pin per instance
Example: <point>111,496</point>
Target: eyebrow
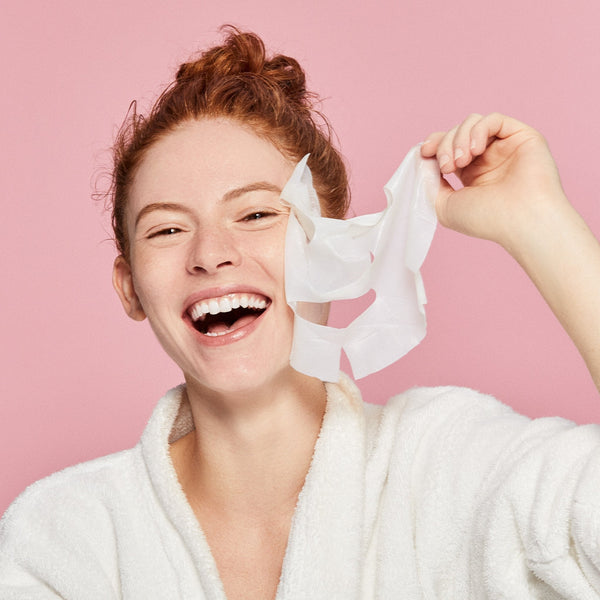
<point>161,206</point>
<point>252,187</point>
<point>230,195</point>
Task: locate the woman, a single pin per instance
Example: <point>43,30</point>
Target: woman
<point>255,481</point>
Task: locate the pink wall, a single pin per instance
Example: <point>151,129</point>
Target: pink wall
<point>79,379</point>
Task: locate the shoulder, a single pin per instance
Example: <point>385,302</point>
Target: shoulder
<point>65,524</point>
<point>455,434</point>
<point>463,410</point>
<point>73,531</point>
<point>430,410</point>
<point>474,478</point>
<point>99,490</point>
<point>83,474</point>
<point>69,502</point>
<point>464,429</point>
<point>74,490</point>
<point>445,400</point>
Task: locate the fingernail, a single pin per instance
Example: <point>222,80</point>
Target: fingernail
<point>473,145</point>
<point>458,153</point>
<point>444,160</point>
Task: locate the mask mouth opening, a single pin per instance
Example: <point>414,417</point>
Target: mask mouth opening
<point>226,322</point>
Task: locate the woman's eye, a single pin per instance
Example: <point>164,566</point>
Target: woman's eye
<point>255,216</point>
<point>258,215</point>
<point>166,232</point>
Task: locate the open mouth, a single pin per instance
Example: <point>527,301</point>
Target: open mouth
<point>225,314</point>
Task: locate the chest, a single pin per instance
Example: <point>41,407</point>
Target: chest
<point>248,555</point>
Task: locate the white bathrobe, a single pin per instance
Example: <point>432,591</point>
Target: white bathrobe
<point>442,494</point>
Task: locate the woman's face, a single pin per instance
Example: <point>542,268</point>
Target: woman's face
<point>207,230</point>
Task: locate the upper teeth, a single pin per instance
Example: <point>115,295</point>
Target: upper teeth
<point>226,303</point>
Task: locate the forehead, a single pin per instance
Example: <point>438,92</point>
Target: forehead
<point>202,160</point>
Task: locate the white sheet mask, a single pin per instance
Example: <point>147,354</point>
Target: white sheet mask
<point>332,259</point>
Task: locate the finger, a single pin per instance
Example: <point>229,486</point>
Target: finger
<point>461,148</point>
<point>430,145</point>
<point>445,152</point>
<point>490,127</point>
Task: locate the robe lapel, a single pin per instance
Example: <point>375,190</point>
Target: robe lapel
<point>325,549</point>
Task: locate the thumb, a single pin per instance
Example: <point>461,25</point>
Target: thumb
<point>466,210</point>
<point>442,201</point>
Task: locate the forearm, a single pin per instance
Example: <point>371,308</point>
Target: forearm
<point>512,195</point>
<point>562,257</point>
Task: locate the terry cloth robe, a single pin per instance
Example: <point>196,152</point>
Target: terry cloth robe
<point>442,494</point>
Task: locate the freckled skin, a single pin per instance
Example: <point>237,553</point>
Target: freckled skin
<point>203,241</point>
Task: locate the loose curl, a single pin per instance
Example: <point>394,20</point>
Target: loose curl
<point>235,80</point>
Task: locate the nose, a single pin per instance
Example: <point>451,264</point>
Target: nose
<point>211,250</point>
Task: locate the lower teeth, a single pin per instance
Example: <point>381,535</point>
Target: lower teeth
<point>237,319</point>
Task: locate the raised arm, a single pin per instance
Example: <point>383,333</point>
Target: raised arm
<point>513,196</point>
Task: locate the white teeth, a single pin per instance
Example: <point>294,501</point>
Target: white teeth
<point>224,305</point>
<point>197,311</point>
<point>214,306</point>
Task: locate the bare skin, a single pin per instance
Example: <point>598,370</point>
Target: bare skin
<point>243,482</point>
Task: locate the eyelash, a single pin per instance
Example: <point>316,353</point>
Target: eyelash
<point>253,216</point>
<point>258,215</point>
<point>167,231</point>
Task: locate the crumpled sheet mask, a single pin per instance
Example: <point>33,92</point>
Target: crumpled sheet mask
<point>332,259</point>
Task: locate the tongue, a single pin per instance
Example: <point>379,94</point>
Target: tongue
<point>220,328</point>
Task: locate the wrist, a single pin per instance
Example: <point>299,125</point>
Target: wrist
<point>548,227</point>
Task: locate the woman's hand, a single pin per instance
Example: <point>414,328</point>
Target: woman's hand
<point>513,196</point>
<point>509,176</point>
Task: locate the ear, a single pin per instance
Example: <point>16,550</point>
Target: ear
<point>123,283</point>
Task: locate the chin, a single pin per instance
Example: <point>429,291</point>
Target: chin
<point>246,375</point>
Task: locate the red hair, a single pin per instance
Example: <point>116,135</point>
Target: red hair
<point>235,80</point>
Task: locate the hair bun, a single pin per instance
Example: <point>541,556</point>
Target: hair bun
<point>243,54</point>
<point>287,73</point>
<point>236,81</point>
<point>240,53</point>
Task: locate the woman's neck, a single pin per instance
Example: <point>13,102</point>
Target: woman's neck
<point>250,452</point>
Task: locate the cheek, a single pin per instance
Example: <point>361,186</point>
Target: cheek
<point>267,249</point>
<point>153,277</point>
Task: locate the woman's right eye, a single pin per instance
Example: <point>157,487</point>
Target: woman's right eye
<point>167,231</point>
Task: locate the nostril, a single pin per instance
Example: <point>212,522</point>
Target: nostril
<point>200,269</point>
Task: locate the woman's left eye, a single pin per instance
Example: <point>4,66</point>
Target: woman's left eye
<point>256,216</point>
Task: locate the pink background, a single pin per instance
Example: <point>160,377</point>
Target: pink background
<point>79,379</point>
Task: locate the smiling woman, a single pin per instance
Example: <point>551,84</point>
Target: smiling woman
<point>255,481</point>
<point>206,228</point>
